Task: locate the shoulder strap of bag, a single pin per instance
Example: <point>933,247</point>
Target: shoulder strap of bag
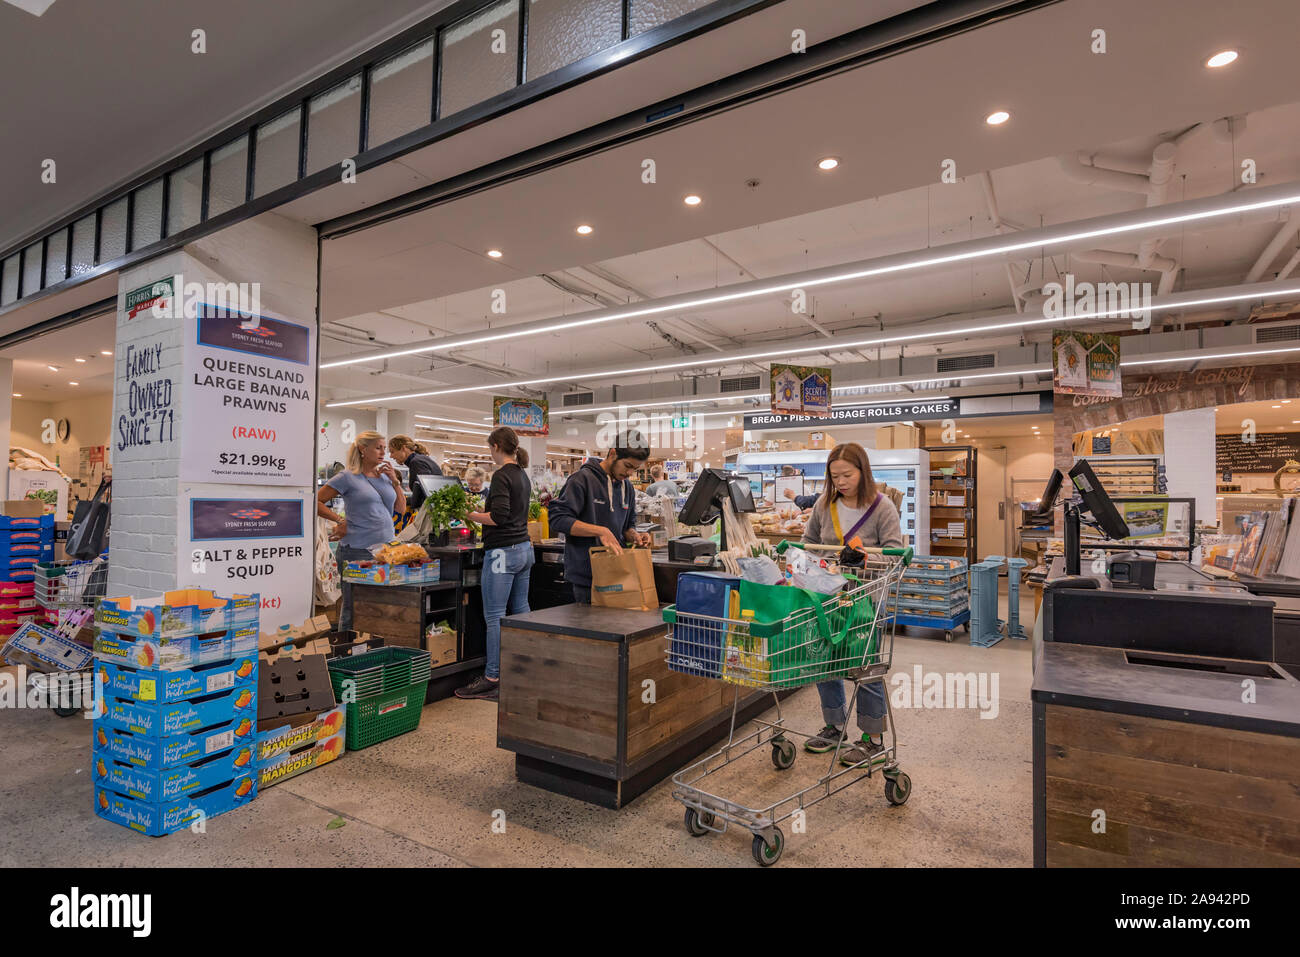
<point>835,519</point>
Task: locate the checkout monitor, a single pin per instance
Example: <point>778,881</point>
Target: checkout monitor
<point>1096,501</point>
<point>431,483</point>
<point>705,501</point>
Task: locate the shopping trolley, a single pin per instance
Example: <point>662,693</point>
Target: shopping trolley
<point>791,653</point>
<point>68,590</point>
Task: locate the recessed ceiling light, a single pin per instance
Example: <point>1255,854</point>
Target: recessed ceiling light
<point>997,118</point>
<point>74,383</point>
<point>105,352</point>
<point>53,368</point>
<point>18,395</point>
<point>1277,407</point>
<point>495,253</point>
<point>1222,58</point>
<point>584,230</point>
<point>829,163</point>
<point>1286,401</point>
<point>692,200</point>
<point>78,359</point>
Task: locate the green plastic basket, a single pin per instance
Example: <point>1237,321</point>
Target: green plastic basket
<point>384,716</point>
<point>379,671</point>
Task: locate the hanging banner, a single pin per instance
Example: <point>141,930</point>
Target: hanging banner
<point>250,409</point>
<point>525,416</point>
<point>801,390</point>
<point>1086,363</point>
<point>251,544</point>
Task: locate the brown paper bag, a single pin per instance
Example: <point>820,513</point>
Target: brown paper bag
<point>625,580</point>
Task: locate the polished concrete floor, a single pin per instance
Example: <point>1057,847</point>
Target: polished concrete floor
<point>428,798</point>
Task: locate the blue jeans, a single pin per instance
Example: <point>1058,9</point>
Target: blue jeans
<point>505,584</point>
<point>871,705</point>
<point>581,593</point>
<point>345,554</point>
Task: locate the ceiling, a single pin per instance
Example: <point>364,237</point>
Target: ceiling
<point>61,348</point>
<point>130,93</point>
<point>428,274</point>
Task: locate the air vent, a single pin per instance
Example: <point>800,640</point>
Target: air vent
<point>570,399</point>
<point>741,383</point>
<point>1277,332</point>
<point>964,363</point>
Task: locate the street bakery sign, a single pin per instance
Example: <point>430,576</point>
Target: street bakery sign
<point>1238,379</point>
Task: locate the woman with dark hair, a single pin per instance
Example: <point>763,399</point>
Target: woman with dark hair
<point>418,462</point>
<point>852,505</point>
<point>508,553</point>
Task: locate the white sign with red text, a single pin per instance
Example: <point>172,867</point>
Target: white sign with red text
<point>241,540</point>
<point>250,407</point>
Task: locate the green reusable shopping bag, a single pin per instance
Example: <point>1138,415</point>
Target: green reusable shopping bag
<point>799,656</point>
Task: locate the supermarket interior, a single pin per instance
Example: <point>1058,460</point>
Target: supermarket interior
<point>621,457</point>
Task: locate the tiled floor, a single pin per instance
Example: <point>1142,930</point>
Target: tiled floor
<point>428,797</point>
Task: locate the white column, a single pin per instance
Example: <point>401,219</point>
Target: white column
<point>1189,458</point>
<point>6,420</point>
<point>150,545</point>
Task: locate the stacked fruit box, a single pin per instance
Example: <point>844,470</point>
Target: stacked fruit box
<point>24,542</point>
<point>174,740</point>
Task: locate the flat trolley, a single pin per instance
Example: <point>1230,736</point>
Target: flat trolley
<point>849,637</point>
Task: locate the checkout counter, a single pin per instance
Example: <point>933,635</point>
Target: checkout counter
<point>1165,732</point>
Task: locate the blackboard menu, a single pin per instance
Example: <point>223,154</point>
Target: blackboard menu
<point>1268,453</point>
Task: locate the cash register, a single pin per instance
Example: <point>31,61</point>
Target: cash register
<point>704,507</point>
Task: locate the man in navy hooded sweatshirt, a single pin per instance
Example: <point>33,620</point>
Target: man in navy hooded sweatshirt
<point>597,506</point>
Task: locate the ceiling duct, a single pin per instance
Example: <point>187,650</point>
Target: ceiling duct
<point>741,383</point>
<point>1277,332</point>
<point>573,399</point>
<point>985,360</point>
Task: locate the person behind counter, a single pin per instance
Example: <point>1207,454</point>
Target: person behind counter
<point>475,479</point>
<point>418,462</point>
<point>852,505</point>
<point>661,485</point>
<point>508,553</point>
<point>592,510</point>
<point>371,493</point>
<point>801,501</point>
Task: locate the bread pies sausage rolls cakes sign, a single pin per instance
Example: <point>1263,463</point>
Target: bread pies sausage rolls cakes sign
<point>525,416</point>
<point>250,399</point>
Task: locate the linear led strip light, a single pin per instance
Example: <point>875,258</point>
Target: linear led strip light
<point>1265,290</point>
<point>1171,214</point>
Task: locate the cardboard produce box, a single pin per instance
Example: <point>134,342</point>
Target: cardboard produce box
<point>899,437</point>
<point>441,645</point>
<point>305,742</point>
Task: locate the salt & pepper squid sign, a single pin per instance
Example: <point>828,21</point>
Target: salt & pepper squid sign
<point>800,390</point>
<point>525,416</point>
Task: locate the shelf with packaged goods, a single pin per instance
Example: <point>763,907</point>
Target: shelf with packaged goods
<point>962,481</point>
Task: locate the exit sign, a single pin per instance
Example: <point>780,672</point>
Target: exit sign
<point>681,422</point>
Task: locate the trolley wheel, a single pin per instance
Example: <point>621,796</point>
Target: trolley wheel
<point>767,856</point>
<point>898,788</point>
<point>947,635</point>
<point>783,752</point>
<point>697,824</point>
<point>966,626</point>
<point>65,712</point>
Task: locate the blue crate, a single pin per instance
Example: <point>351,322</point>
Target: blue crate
<point>1014,628</point>
<point>696,645</point>
<point>43,524</point>
<point>986,628</point>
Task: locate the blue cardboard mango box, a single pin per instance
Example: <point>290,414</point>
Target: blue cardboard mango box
<point>176,653</point>
<point>186,611</point>
<point>166,817</point>
<point>154,686</point>
<point>169,784</point>
<point>161,720</point>
<point>145,751</point>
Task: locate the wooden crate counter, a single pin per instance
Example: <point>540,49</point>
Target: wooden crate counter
<point>572,703</point>
<point>1186,773</point>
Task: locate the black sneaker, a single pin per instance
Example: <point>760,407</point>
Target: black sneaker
<point>480,687</point>
<point>862,750</point>
<point>824,740</point>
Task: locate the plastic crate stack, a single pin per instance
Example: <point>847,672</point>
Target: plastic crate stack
<point>24,542</point>
<point>384,690</point>
<point>985,627</point>
<point>175,740</point>
<point>1014,628</point>
<point>932,593</point>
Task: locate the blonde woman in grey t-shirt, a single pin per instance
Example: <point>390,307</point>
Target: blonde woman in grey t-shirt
<point>852,505</point>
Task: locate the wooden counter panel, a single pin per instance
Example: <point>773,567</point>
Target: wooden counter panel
<point>681,701</point>
<point>1174,794</point>
<point>559,691</point>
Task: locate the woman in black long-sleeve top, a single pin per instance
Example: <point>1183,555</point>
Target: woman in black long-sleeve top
<point>508,554</point>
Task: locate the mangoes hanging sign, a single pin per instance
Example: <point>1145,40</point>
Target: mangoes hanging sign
<point>1086,363</point>
<point>525,416</point>
<point>800,390</point>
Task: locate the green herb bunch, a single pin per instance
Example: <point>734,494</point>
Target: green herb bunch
<point>451,503</point>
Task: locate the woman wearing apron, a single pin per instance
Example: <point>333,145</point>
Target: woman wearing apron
<point>852,505</point>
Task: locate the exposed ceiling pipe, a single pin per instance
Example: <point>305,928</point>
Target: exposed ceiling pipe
<point>1073,166</point>
<point>1108,257</point>
<point>1000,227</point>
<point>1270,252</point>
<point>1162,171</point>
<point>1290,266</point>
